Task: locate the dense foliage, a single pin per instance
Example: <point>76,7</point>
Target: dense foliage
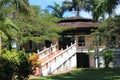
<point>21,22</point>
<point>14,65</point>
<point>57,10</point>
<point>109,31</point>
<point>6,69</point>
<point>108,56</point>
<point>33,58</point>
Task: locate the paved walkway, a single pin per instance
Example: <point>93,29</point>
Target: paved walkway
<point>60,72</point>
<point>33,76</point>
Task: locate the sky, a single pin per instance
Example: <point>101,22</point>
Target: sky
<point>44,3</point>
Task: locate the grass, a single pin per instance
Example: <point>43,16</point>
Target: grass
<point>87,74</point>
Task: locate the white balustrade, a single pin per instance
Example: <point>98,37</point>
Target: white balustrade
<point>47,51</point>
<point>58,60</point>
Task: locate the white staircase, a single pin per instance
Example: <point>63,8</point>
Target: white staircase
<point>54,60</point>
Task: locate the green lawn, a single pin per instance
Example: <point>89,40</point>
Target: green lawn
<point>87,74</point>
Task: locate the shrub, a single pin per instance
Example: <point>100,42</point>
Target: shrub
<point>34,60</point>
<point>108,56</point>
<point>19,63</point>
<point>6,69</point>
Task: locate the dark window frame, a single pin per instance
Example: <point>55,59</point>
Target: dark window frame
<point>81,41</point>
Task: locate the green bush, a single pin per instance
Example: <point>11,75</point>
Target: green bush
<point>108,56</point>
<point>6,69</point>
<point>18,62</point>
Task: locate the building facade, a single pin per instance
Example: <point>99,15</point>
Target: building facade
<point>79,31</point>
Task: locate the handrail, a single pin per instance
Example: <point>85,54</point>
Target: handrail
<point>58,54</point>
<point>63,55</point>
<point>47,51</point>
<point>61,61</point>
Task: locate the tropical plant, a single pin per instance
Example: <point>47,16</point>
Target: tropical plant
<point>19,64</point>
<point>6,69</point>
<point>77,5</point>
<point>38,27</point>
<point>20,5</point>
<point>34,59</point>
<point>100,7</point>
<point>7,27</point>
<point>108,56</point>
<point>109,31</point>
<point>9,10</point>
<point>58,11</point>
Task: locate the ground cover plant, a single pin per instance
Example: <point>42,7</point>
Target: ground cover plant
<point>87,74</point>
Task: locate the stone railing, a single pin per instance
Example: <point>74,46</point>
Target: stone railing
<point>61,60</point>
<point>47,51</point>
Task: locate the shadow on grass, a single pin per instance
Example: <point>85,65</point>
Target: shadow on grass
<point>87,74</point>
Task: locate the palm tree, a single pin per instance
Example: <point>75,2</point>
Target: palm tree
<point>101,7</point>
<point>77,5</point>
<point>20,5</point>
<point>58,11</point>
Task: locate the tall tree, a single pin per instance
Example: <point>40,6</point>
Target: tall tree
<point>9,9</point>
<point>8,29</point>
<point>100,7</point>
<point>110,30</point>
<point>38,27</point>
<point>77,5</point>
<point>20,5</point>
<point>58,11</point>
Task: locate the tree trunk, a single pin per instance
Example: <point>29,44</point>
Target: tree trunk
<point>106,64</point>
<point>0,43</point>
<point>10,45</point>
<point>78,12</point>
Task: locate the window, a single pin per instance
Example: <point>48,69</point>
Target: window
<point>81,41</point>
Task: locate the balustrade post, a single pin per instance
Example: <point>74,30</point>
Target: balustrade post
<point>61,49</point>
<point>41,74</point>
<point>38,51</point>
<point>49,70</point>
<point>45,47</point>
<point>55,59</point>
<point>51,45</point>
<point>66,46</point>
